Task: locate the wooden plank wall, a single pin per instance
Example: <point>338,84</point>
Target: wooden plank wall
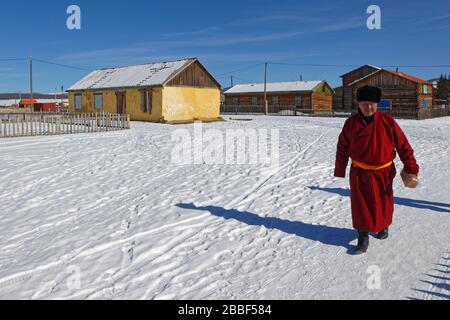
<point>337,98</point>
<point>193,76</point>
<point>357,74</point>
<point>402,92</point>
<point>322,101</point>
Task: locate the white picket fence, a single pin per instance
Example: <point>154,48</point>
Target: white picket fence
<point>39,123</point>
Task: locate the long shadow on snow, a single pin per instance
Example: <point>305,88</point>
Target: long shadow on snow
<point>420,204</point>
<point>438,281</point>
<point>334,236</point>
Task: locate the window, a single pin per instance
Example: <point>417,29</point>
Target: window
<point>254,100</point>
<point>298,101</point>
<point>78,102</point>
<point>425,89</point>
<point>235,100</point>
<point>146,101</point>
<point>98,101</point>
<point>385,104</point>
<point>121,102</point>
<point>275,100</point>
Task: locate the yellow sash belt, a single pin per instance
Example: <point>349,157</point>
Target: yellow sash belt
<point>369,167</point>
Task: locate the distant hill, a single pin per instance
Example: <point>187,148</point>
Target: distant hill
<point>36,95</point>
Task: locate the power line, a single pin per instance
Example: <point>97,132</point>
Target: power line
<point>62,65</point>
<point>241,69</point>
<point>252,66</point>
<point>355,66</point>
<point>14,59</point>
<point>239,78</point>
<point>315,65</point>
<point>47,62</point>
<point>429,66</point>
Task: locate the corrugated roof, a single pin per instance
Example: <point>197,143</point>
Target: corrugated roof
<point>274,87</point>
<point>143,75</point>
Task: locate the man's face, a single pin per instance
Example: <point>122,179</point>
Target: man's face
<point>368,108</point>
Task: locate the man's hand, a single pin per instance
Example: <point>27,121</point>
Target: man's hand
<point>410,180</point>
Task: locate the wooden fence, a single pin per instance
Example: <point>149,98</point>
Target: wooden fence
<point>39,123</point>
<point>432,112</point>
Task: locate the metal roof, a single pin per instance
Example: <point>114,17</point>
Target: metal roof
<point>143,75</point>
<point>274,87</point>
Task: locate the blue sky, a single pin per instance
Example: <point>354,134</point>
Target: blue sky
<point>225,35</point>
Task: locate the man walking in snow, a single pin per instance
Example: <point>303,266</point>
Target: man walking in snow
<point>371,139</point>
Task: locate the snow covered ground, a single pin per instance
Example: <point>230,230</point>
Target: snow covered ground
<point>109,216</point>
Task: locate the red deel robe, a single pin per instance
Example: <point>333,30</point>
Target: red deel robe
<point>372,198</point>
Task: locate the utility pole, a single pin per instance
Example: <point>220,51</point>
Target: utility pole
<point>266,105</point>
<point>31,83</point>
<point>231,78</point>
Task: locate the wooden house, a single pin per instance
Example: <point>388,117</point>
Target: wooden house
<point>171,91</point>
<point>307,95</point>
<point>400,91</point>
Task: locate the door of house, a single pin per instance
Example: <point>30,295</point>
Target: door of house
<point>121,102</point>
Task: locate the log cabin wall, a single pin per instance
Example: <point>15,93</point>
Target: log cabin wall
<point>357,74</point>
<point>337,98</point>
<point>425,98</point>
<point>402,93</point>
<point>347,98</point>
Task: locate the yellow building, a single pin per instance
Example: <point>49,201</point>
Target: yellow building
<point>171,91</point>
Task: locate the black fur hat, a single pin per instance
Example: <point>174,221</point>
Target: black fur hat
<point>368,93</point>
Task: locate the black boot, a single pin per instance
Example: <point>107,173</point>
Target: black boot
<point>383,234</point>
<point>363,242</point>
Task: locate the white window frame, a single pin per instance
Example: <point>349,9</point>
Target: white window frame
<point>78,101</point>
<point>96,107</point>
